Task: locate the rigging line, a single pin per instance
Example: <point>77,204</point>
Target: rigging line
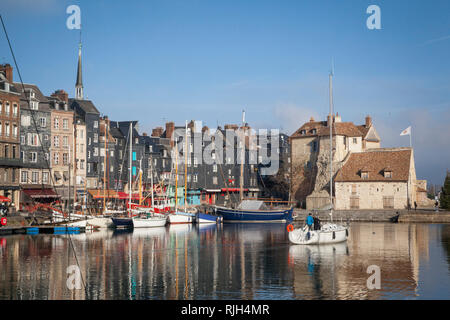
<point>31,110</point>
<point>39,138</point>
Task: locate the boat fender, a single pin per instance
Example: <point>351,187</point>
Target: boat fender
<point>346,232</point>
<point>290,228</point>
<point>334,235</point>
<point>308,235</point>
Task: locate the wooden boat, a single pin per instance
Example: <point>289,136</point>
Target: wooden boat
<point>254,211</point>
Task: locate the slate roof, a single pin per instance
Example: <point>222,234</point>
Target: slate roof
<point>86,105</point>
<point>375,162</point>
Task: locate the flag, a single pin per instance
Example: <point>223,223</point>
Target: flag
<point>406,132</point>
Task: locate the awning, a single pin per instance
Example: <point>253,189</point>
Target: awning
<point>100,194</point>
<point>213,190</point>
<point>41,193</point>
<point>4,199</point>
<point>57,175</point>
<point>126,196</point>
<point>66,175</point>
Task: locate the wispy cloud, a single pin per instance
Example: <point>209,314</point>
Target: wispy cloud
<point>292,116</point>
<point>435,40</point>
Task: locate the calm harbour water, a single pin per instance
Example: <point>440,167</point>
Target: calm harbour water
<point>232,261</point>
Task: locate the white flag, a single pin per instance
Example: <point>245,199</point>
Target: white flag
<point>406,132</point>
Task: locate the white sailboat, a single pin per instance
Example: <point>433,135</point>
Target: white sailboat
<point>329,232</point>
<point>181,216</point>
<point>137,222</point>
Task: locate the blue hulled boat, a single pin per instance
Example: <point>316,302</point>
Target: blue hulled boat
<point>123,222</point>
<point>254,211</point>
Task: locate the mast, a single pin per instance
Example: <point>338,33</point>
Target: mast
<point>140,182</point>
<point>151,180</point>
<point>131,159</point>
<point>176,175</point>
<point>331,143</point>
<point>68,203</point>
<point>104,173</point>
<point>241,180</point>
<point>185,167</point>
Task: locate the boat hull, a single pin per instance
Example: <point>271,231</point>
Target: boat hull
<point>178,218</point>
<point>149,223</point>
<point>326,236</point>
<point>123,222</point>
<point>208,218</point>
<point>258,216</point>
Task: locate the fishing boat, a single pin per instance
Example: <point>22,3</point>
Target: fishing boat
<point>329,232</point>
<point>207,218</point>
<point>249,211</point>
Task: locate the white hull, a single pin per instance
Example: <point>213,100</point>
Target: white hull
<point>93,222</point>
<point>329,233</point>
<point>149,223</point>
<point>180,218</point>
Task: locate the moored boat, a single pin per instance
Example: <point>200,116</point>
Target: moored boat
<point>254,211</point>
<point>329,233</point>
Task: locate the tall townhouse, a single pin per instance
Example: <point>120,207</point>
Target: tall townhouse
<point>35,179</point>
<point>10,162</point>
<point>62,147</point>
<point>80,159</point>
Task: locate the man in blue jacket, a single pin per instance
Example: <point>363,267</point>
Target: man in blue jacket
<point>310,221</point>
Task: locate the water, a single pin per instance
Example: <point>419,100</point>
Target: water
<point>229,262</point>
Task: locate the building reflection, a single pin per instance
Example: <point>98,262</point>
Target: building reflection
<point>232,261</point>
<point>340,271</point>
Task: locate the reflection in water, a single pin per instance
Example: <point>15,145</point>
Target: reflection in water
<point>236,261</point>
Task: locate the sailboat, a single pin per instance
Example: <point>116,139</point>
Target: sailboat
<point>181,216</point>
<point>329,232</point>
<point>137,222</point>
<point>249,211</point>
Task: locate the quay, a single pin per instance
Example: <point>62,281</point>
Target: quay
<point>41,230</point>
<point>419,216</point>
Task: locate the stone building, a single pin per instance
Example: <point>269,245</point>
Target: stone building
<point>310,155</point>
<point>383,178</point>
<point>61,147</point>
<point>10,162</point>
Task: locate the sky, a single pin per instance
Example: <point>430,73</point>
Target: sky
<point>157,61</point>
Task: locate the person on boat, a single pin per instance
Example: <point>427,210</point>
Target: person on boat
<point>310,221</point>
<point>316,223</point>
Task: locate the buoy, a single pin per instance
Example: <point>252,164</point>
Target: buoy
<point>290,228</point>
<point>4,221</point>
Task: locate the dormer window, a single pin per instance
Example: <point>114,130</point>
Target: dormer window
<point>303,132</point>
<point>365,175</point>
<point>314,131</point>
<point>388,174</point>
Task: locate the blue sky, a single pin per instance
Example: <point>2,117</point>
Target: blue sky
<point>207,60</point>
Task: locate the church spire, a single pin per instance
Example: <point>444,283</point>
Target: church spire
<point>79,83</point>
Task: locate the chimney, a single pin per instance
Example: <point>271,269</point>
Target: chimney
<point>8,71</point>
<point>337,118</point>
<point>157,132</point>
<point>368,121</point>
<point>311,119</point>
<point>62,95</point>
<point>144,134</point>
<point>329,120</point>
<point>170,128</point>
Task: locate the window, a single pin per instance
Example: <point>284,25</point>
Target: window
<point>195,178</point>
<point>6,151</point>
<point>56,123</point>
<point>388,174</point>
<point>215,168</point>
<point>35,177</point>
<point>25,120</point>
<point>1,107</point>
<point>66,124</point>
<point>24,177</point>
<point>355,140</point>
<point>1,127</point>
<point>56,141</point>
<point>364,175</point>
<point>214,180</point>
<point>7,130</point>
<point>44,177</point>
<point>15,110</point>
<point>65,141</point>
<point>95,137</point>
<point>15,130</point>
<point>14,150</point>
<point>82,164</point>
<point>65,158</point>
<point>34,105</point>
<point>7,109</point>
<point>42,122</point>
<point>56,158</point>
<point>95,152</point>
<point>195,162</point>
<point>388,202</point>
<point>33,157</point>
<point>95,124</point>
